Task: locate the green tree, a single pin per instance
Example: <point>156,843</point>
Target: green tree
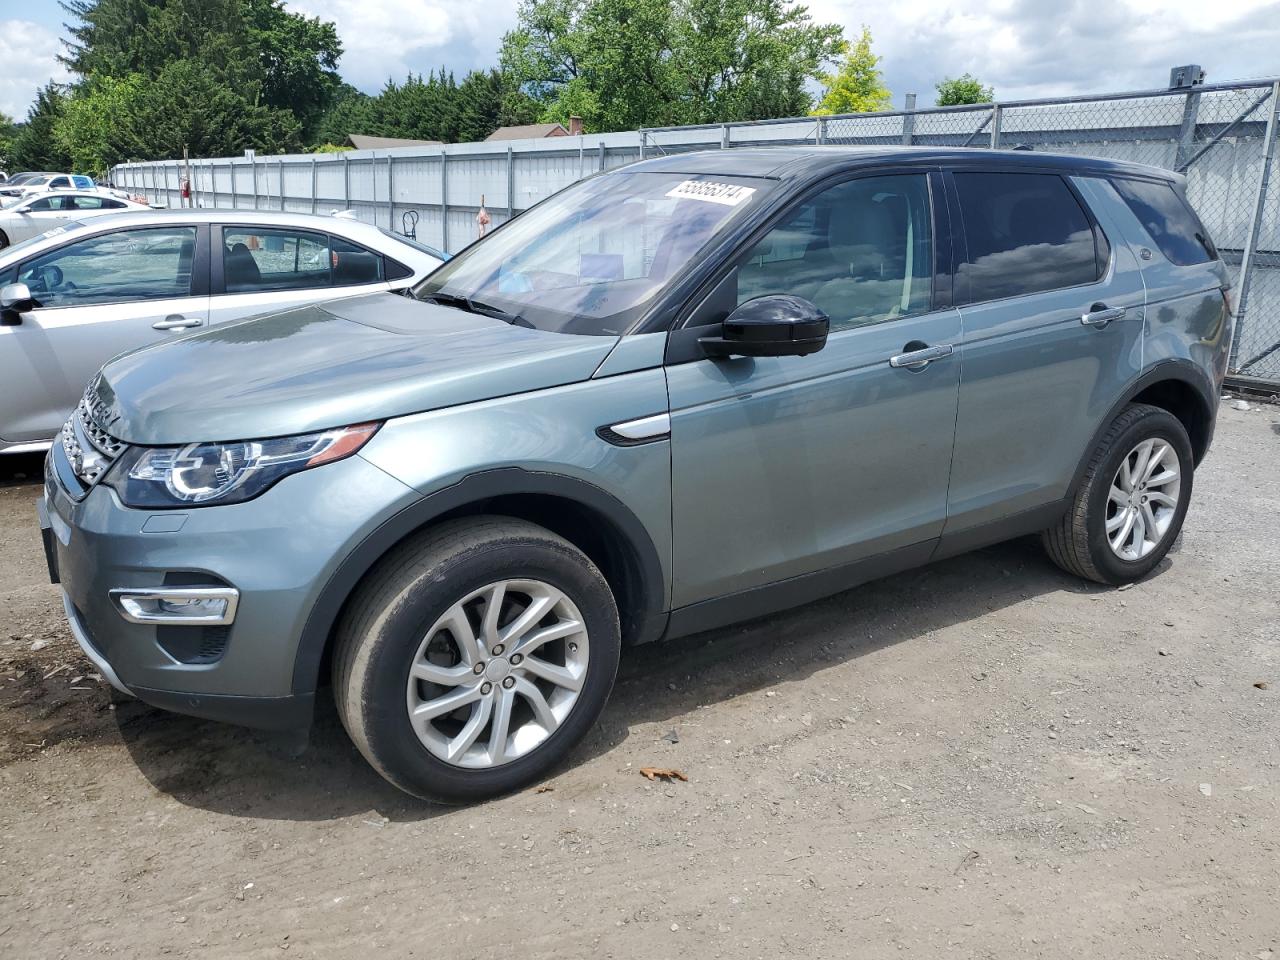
<point>620,64</point>
<point>8,130</point>
<point>188,105</point>
<point>963,89</point>
<point>263,53</point>
<point>858,86</point>
<point>35,147</point>
<point>350,112</point>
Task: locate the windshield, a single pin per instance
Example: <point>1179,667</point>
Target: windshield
<point>591,259</point>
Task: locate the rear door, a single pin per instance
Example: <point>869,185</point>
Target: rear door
<point>1052,301</point>
<point>99,296</point>
<point>258,269</point>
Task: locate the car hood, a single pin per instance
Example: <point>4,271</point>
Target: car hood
<point>331,364</point>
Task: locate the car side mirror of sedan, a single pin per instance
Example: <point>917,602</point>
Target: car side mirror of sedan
<point>775,325</point>
<point>15,299</point>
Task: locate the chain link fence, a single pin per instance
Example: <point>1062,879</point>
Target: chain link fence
<point>1221,137</point>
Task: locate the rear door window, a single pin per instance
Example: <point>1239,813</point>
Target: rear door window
<point>257,259</point>
<point>1026,233</point>
<point>1172,224</point>
<point>263,259</point>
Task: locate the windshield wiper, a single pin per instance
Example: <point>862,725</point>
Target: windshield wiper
<point>477,307</point>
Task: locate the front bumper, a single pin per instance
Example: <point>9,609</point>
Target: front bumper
<point>275,553</point>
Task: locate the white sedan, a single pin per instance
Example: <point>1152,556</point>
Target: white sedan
<point>84,291</point>
<point>28,217</point>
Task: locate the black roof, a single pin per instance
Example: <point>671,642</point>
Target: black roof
<point>805,162</point>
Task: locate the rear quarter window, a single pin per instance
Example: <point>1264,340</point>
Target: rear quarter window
<point>1172,224</point>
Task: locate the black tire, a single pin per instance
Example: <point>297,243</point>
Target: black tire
<point>4,240</point>
<point>1078,543</point>
<point>388,618</point>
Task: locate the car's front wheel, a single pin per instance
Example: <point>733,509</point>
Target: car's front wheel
<point>1130,504</point>
<point>474,658</point>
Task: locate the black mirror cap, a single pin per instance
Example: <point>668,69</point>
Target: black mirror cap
<point>775,325</point>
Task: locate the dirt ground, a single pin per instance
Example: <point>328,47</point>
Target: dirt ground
<point>984,758</point>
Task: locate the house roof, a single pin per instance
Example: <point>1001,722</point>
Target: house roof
<point>529,131</point>
<point>362,142</point>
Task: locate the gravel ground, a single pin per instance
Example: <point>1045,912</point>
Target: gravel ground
<point>984,758</point>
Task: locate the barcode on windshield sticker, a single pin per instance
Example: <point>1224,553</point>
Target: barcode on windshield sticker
<point>730,194</point>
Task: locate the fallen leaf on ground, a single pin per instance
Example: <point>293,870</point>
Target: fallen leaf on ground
<point>545,788</point>
<point>1262,685</point>
<point>663,773</point>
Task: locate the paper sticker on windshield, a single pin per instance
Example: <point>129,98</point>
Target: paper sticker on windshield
<point>729,194</point>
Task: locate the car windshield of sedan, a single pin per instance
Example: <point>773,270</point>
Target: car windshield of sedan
<point>592,258</point>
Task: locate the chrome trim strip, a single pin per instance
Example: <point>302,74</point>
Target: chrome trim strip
<point>646,428</point>
<point>38,446</point>
<point>82,638</point>
<point>230,594</point>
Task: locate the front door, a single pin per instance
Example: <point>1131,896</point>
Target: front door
<point>36,216</point>
<point>1053,319</point>
<point>789,466</point>
<point>98,297</point>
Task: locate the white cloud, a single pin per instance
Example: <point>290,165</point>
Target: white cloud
<point>392,38</point>
<point>1040,48</point>
<point>28,60</point>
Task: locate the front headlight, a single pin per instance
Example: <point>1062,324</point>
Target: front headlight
<point>208,473</point>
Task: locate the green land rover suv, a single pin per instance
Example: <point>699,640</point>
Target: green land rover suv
<point>695,390</point>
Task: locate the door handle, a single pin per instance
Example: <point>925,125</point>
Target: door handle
<point>176,322</point>
<point>1100,315</point>
<point>919,359</point>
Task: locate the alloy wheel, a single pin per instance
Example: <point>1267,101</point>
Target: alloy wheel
<point>497,673</point>
<point>1143,499</point>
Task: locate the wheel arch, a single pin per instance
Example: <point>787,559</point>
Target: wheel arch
<point>1178,386</point>
<point>585,515</point>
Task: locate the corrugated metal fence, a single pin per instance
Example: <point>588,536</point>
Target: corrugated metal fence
<point>1223,137</point>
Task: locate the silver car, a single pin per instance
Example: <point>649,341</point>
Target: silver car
<point>30,216</point>
<point>83,292</point>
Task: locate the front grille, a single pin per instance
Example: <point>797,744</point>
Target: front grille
<point>89,448</point>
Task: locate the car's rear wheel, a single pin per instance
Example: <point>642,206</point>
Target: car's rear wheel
<point>475,658</point>
<point>4,240</point>
<point>1129,507</point>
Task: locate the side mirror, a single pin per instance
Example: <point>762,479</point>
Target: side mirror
<point>775,325</point>
<point>15,299</point>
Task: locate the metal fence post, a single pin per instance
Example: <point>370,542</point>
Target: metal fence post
<point>253,175</point>
<point>1255,222</point>
<point>997,115</point>
<point>346,182</point>
<point>909,120</point>
<point>820,136</point>
<point>281,172</point>
<point>1187,132</point>
<point>511,183</point>
<point>315,185</point>
<point>724,136</point>
<point>601,154</point>
<point>444,200</point>
<point>644,142</point>
<point>391,192</point>
<point>231,169</point>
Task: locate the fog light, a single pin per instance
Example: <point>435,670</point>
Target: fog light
<point>198,606</point>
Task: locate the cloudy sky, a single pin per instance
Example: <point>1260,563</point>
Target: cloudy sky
<point>1025,48</point>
